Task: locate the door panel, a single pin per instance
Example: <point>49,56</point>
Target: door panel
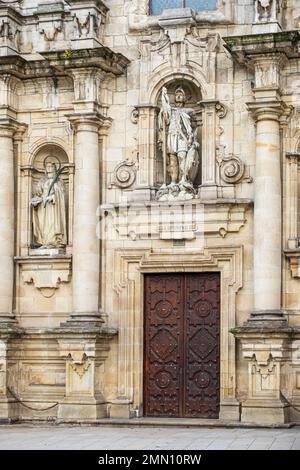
<point>202,352</point>
<point>182,352</point>
<point>162,345</point>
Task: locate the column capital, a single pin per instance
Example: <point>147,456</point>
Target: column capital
<point>268,110</point>
<point>90,122</point>
<point>293,157</point>
<point>9,127</point>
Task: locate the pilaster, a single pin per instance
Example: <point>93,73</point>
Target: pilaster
<point>8,128</point>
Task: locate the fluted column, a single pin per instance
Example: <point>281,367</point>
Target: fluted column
<point>7,130</point>
<point>86,245</point>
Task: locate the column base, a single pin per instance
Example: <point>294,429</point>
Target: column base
<point>9,410</point>
<point>84,319</point>
<point>7,319</point>
<point>267,319</point>
<point>230,410</point>
<point>82,411</point>
<point>264,411</point>
<point>121,409</point>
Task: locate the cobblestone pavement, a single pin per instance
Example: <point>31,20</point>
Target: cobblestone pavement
<point>151,438</point>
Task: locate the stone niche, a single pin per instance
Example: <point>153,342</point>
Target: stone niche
<point>35,173</point>
<point>292,224</point>
<point>46,268</point>
<point>193,100</point>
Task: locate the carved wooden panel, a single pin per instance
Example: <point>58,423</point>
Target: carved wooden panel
<point>163,348</point>
<point>202,345</point>
<point>181,366</point>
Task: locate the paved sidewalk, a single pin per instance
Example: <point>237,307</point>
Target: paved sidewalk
<point>39,437</point>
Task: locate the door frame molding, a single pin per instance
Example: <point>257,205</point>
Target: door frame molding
<point>130,265</point>
<point>182,324</point>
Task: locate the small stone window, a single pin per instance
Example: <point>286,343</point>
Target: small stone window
<point>157,6</point>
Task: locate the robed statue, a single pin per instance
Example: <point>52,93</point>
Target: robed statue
<point>178,129</point>
<point>49,208</point>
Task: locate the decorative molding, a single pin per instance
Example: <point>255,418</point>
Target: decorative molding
<point>46,273</point>
<point>189,219</point>
<point>293,255</point>
<point>129,267</point>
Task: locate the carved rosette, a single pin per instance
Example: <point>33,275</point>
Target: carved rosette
<point>125,174</point>
<point>232,169</point>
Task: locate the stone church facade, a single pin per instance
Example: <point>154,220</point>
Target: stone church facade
<point>149,210</point>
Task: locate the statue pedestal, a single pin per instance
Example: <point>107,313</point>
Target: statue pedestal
<point>266,351</point>
<point>85,350</point>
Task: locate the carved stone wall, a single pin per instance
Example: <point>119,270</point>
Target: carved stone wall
<point>82,79</point>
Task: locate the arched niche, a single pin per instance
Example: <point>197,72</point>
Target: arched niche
<point>44,153</point>
<point>193,100</point>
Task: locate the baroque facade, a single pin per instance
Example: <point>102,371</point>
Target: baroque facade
<point>149,206</point>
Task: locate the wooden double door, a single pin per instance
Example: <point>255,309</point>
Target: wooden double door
<point>182,345</point>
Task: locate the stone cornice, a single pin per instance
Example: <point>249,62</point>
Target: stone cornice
<point>9,127</point>
<point>78,4</point>
<point>60,63</point>
<point>8,11</point>
<point>100,57</point>
<point>243,47</point>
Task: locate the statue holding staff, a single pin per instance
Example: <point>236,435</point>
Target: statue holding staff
<point>49,208</point>
<point>179,146</point>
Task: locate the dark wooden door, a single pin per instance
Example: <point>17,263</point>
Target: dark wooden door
<point>182,345</point>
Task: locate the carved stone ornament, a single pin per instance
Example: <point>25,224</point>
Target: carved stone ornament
<point>265,10</point>
<point>44,273</point>
<point>80,366</point>
<point>135,114</point>
<point>221,110</point>
<point>125,174</point>
<point>50,33</point>
<point>232,169</point>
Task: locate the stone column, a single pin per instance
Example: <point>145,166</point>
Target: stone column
<point>267,212</point>
<point>7,129</point>
<point>86,245</point>
<point>268,111</point>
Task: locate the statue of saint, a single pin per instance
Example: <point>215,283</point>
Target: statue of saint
<point>180,147</point>
<point>49,208</point>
